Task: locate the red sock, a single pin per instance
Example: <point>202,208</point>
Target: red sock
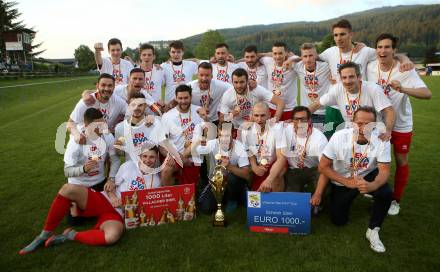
<point>58,210</point>
<point>400,181</point>
<point>91,237</point>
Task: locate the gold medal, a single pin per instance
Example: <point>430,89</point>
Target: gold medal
<point>263,162</point>
<point>95,158</point>
<point>121,139</point>
<point>277,92</point>
<point>237,109</point>
<point>218,156</point>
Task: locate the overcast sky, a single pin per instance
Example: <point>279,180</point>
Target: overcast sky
<point>63,25</point>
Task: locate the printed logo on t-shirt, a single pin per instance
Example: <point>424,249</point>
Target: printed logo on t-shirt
<point>105,113</point>
<point>137,184</point>
<point>312,84</point>
<point>252,74</point>
<point>179,77</point>
<point>245,107</point>
<point>139,139</point>
<point>351,107</point>
<point>118,76</point>
<point>278,76</point>
<point>188,128</point>
<point>205,100</point>
<point>359,162</point>
<point>149,85</point>
<point>223,75</point>
<point>386,87</point>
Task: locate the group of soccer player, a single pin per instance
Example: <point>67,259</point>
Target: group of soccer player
<point>244,115</point>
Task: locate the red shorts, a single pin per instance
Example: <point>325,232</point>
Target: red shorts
<point>401,141</point>
<point>188,174</point>
<point>257,180</point>
<point>98,206</point>
<point>285,116</point>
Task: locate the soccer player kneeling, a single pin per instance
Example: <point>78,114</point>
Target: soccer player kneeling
<point>105,206</point>
<point>357,161</point>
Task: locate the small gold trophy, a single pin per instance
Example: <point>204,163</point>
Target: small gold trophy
<point>218,185</point>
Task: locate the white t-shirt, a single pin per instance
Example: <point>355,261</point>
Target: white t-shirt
<point>313,85</point>
<point>111,110</point>
<point>285,79</point>
<point>293,147</point>
<point>120,71</point>
<point>130,178</point>
<point>246,102</point>
<point>211,97</point>
<point>176,75</point>
<point>334,59</point>
<point>77,155</point>
<point>400,101</point>
<point>140,134</point>
<point>154,80</point>
<point>262,145</point>
<point>371,95</point>
<point>122,92</point>
<point>340,150</point>
<point>180,126</point>
<point>237,156</point>
<point>223,73</point>
<point>258,74</point>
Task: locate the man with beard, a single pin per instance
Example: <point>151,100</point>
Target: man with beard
<point>115,66</point>
<point>352,93</point>
<point>139,128</point>
<point>398,87</point>
<point>111,106</point>
<point>223,69</point>
<point>238,100</point>
<point>208,92</point>
<point>257,73</point>
<point>182,124</point>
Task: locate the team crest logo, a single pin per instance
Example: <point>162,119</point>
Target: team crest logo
<point>254,200</point>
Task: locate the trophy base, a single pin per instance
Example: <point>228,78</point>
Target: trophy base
<point>219,223</point>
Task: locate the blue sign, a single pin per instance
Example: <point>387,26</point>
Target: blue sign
<point>279,212</point>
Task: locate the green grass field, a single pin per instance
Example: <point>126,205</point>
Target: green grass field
<point>31,172</point>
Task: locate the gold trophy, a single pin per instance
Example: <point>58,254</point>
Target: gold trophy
<point>218,185</point>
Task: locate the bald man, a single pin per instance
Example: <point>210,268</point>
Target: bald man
<point>260,140</point>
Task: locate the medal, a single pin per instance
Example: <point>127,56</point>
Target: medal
<point>218,156</point>
<point>263,162</point>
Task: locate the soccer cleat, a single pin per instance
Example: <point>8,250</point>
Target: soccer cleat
<point>68,234</point>
<point>37,242</point>
<point>394,208</point>
<point>375,242</point>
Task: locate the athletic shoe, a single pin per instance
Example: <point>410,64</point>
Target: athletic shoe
<point>59,239</point>
<point>394,208</point>
<point>36,243</point>
<point>375,242</point>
